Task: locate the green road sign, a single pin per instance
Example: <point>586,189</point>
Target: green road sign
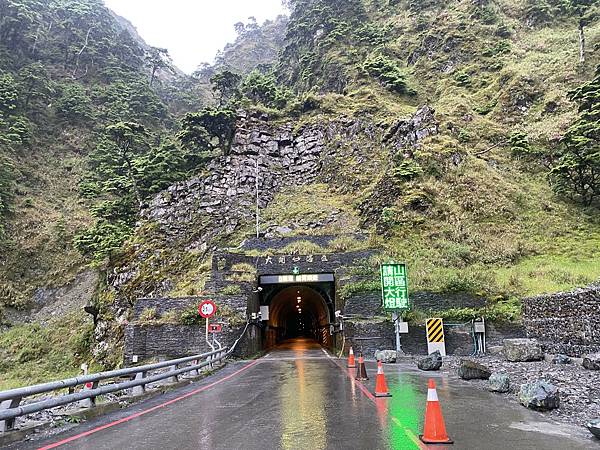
<point>394,286</point>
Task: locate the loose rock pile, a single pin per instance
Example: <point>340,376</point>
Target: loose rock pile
<point>431,362</point>
<point>470,370</point>
<point>578,387</point>
<point>539,395</point>
<point>522,350</point>
<point>499,382</point>
<point>386,356</point>
<point>592,362</point>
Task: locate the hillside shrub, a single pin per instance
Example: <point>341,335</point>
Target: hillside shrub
<point>388,73</point>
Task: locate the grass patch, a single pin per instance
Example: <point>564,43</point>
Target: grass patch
<point>32,353</point>
<point>350,289</point>
<point>232,289</point>
<point>302,207</point>
<point>301,247</point>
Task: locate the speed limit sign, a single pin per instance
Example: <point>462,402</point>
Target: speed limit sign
<point>207,308</point>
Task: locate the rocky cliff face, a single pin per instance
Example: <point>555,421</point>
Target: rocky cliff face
<point>193,218</point>
<point>225,199</point>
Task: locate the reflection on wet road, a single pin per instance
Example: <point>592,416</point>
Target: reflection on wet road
<point>300,397</point>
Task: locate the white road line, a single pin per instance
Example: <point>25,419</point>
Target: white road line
<point>326,354</point>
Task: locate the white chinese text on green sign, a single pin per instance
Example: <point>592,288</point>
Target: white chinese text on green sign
<point>394,286</point>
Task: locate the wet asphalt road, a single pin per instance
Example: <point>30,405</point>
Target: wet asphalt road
<point>299,397</point>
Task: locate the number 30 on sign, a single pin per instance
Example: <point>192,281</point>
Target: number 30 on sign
<point>207,309</point>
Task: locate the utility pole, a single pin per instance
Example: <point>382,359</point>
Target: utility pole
<point>257,193</point>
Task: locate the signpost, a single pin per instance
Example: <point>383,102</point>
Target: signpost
<point>207,309</point>
<point>394,293</point>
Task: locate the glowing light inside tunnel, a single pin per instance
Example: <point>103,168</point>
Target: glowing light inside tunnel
<point>298,312</point>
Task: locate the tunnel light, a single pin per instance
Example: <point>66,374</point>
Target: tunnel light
<point>299,300</point>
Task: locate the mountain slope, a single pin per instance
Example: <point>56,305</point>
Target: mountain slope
<point>458,188</point>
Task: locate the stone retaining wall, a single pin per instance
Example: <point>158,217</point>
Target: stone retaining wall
<point>566,322</point>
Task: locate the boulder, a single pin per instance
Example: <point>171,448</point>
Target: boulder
<point>592,361</point>
<point>539,395</point>
<point>431,362</point>
<point>499,382</point>
<point>386,356</point>
<point>470,370</point>
<point>517,350</point>
<point>594,427</point>
<point>561,359</point>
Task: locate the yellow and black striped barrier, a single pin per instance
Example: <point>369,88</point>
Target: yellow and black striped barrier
<point>435,336</point>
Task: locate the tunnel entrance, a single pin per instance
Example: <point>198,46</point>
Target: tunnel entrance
<point>297,310</point>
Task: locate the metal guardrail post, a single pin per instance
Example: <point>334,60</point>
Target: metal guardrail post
<point>90,402</point>
<point>141,389</point>
<point>8,424</point>
<point>174,378</point>
<point>194,373</point>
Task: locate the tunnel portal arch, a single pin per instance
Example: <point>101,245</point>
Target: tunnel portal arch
<point>298,310</point>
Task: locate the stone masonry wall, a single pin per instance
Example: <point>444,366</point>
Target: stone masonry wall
<point>170,340</point>
<point>565,322</point>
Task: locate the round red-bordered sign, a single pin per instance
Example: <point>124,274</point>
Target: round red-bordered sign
<point>207,308</point>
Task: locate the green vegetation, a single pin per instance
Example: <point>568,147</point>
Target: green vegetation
<point>93,125</point>
<point>148,315</point>
<point>232,289</point>
<point>350,289</point>
<point>577,171</point>
<point>32,353</point>
<point>386,71</point>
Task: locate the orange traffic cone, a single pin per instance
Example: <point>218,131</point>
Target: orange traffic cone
<point>381,389</point>
<point>361,370</point>
<point>434,431</point>
<point>351,364</point>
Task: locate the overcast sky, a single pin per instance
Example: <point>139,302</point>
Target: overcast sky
<point>192,30</point>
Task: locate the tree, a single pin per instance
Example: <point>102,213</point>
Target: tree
<point>162,166</point>
<point>157,59</point>
<point>538,11</point>
<point>263,88</point>
<point>226,87</point>
<point>35,83</point>
<point>14,128</point>
<point>113,161</point>
<point>200,130</point>
<point>17,19</point>
<point>125,171</point>
<point>74,104</point>
<point>581,8</point>
<point>388,73</point>
<point>9,94</point>
<point>576,173</point>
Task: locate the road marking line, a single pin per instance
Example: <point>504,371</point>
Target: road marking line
<point>325,351</point>
<point>371,397</point>
<point>154,408</point>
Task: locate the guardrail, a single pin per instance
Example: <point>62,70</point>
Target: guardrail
<point>11,399</point>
